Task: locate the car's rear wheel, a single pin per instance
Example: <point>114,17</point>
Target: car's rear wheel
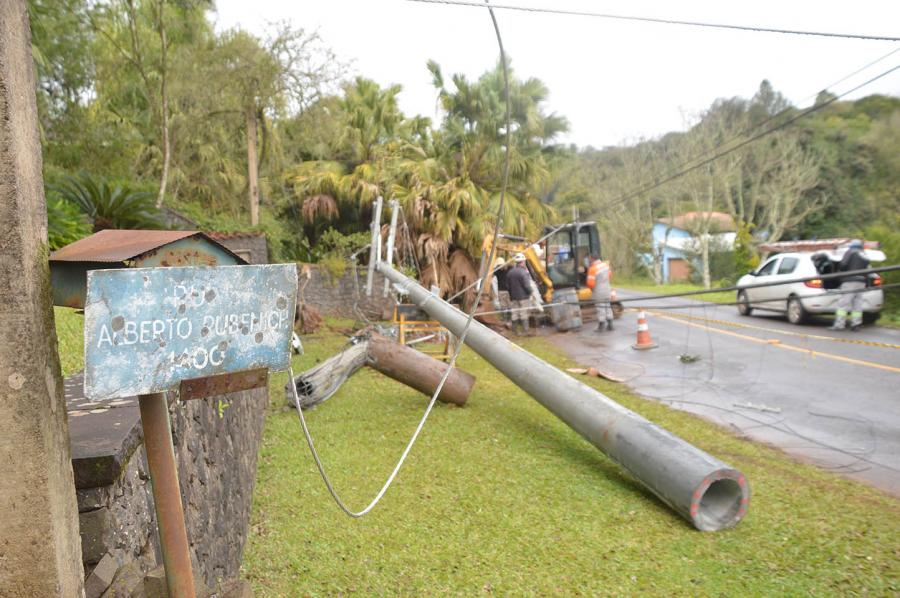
<point>795,312</point>
<point>743,304</point>
<point>871,317</point>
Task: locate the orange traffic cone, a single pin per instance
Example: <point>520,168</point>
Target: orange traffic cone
<point>643,334</point>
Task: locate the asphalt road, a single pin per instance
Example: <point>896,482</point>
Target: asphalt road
<point>830,398</point>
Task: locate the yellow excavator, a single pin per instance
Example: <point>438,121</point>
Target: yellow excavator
<point>560,261</point>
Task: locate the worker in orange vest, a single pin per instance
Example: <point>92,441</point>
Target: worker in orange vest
<point>599,279</point>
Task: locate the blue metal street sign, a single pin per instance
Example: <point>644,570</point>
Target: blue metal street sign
<point>147,329</point>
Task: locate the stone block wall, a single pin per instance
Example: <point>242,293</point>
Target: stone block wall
<point>250,246</point>
<point>119,519</point>
<point>216,446</point>
<point>337,295</point>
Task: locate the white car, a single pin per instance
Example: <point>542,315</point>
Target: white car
<point>798,300</point>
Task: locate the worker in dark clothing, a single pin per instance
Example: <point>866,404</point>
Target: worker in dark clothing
<point>522,291</point>
<point>852,287</point>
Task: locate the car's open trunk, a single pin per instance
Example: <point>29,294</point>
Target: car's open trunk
<point>825,265</point>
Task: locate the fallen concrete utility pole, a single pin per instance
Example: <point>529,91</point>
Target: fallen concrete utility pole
<point>419,371</point>
<point>699,487</point>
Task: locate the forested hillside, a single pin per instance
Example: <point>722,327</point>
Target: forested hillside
<point>831,173</point>
<point>144,106</point>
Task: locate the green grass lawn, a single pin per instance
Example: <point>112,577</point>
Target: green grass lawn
<point>892,321</point>
<point>890,317</point>
<point>70,334</point>
<point>501,497</point>
<point>644,285</point>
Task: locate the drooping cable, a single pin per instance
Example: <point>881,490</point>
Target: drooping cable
<point>462,336</point>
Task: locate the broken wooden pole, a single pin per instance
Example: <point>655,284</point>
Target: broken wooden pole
<point>319,383</point>
<point>419,371</point>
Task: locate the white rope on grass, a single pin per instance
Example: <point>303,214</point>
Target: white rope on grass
<point>390,479</point>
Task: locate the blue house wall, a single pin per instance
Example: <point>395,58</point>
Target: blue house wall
<point>659,240</point>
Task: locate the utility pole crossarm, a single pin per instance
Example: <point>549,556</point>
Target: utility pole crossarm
<point>392,235</point>
<point>375,248</point>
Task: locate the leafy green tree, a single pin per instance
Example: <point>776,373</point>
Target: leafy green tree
<point>744,255</point>
<point>313,134</point>
<point>468,156</point>
<point>66,223</point>
<point>252,75</point>
<point>135,40</point>
<point>373,119</point>
<point>339,192</point>
<point>262,80</point>
<point>858,177</point>
<point>766,103</point>
<point>60,45</point>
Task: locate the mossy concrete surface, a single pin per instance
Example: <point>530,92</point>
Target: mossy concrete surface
<point>40,552</point>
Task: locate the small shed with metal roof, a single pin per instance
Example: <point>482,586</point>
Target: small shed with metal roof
<point>113,248</point>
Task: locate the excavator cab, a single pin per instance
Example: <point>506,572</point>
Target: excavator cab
<point>568,252</point>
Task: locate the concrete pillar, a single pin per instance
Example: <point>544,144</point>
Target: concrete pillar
<point>40,552</point>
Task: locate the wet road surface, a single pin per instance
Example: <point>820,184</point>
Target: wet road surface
<point>830,398</point>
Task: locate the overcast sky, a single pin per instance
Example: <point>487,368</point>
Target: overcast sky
<point>615,81</point>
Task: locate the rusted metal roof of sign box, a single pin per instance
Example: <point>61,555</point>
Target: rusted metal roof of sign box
<point>130,249</point>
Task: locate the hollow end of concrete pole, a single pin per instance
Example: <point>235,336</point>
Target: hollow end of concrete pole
<point>720,501</point>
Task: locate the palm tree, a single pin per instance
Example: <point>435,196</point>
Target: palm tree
<point>340,193</point>
<point>448,181</point>
<point>471,138</point>
<point>109,204</point>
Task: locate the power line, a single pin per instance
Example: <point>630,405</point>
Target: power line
<point>661,21</point>
<point>856,72</point>
<point>759,285</point>
<point>704,304</point>
<point>744,143</point>
<point>780,113</point>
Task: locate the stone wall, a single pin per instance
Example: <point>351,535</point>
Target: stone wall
<point>118,520</point>
<point>338,295</point>
<point>216,446</point>
<point>250,246</point>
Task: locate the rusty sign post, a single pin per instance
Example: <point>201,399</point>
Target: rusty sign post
<point>200,330</point>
